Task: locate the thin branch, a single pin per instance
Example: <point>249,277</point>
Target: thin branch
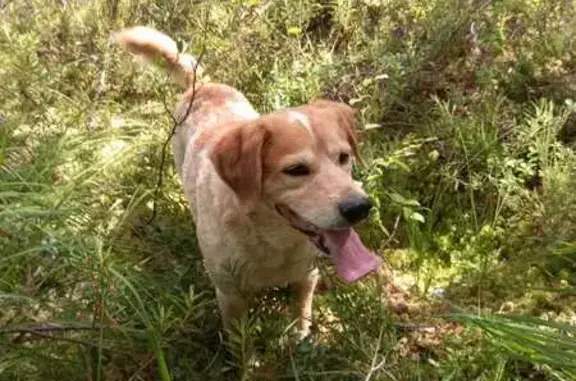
<point>379,367</point>
<point>46,328</point>
<point>177,123</point>
<point>393,234</point>
<point>55,332</point>
<point>373,366</point>
<point>416,327</point>
<point>61,338</point>
<point>141,367</point>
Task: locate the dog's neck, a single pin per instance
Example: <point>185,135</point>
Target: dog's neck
<point>266,223</point>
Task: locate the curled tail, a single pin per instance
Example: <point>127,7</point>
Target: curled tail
<point>160,49</point>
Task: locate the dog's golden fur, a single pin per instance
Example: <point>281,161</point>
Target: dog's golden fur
<point>233,164</point>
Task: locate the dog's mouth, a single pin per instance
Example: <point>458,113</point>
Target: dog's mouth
<point>352,259</point>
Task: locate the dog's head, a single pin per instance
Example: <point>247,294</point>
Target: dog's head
<point>300,161</point>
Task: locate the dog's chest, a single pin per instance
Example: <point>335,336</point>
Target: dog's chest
<point>255,256</point>
<point>259,259</point>
<point>277,267</point>
<point>254,253</point>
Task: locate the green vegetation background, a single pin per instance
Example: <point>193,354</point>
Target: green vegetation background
<point>468,116</point>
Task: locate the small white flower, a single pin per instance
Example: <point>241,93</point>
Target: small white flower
<point>438,292</point>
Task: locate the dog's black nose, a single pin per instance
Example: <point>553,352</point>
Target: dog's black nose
<point>355,208</point>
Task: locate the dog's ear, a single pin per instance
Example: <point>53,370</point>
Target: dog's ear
<point>237,156</point>
<point>346,119</point>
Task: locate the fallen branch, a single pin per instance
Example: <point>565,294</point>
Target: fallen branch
<point>21,340</point>
<point>26,328</point>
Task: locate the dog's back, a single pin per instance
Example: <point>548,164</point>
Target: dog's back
<point>204,106</point>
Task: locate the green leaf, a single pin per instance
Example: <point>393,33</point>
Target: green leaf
<point>417,217</point>
<point>294,31</point>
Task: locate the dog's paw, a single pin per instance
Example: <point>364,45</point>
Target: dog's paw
<point>301,334</point>
<point>297,338</point>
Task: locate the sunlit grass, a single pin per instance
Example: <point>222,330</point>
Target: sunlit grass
<point>463,104</point>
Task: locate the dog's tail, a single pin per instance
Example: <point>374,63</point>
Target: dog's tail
<point>160,49</point>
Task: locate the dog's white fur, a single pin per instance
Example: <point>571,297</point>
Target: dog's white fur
<point>232,190</point>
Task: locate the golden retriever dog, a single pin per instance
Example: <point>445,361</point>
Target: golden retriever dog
<point>267,193</point>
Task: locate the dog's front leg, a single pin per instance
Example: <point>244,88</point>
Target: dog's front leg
<point>303,309</point>
<point>233,307</point>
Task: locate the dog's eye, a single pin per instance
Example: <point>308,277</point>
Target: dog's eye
<point>297,170</point>
<point>344,158</point>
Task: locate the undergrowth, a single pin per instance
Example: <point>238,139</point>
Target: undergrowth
<point>468,122</point>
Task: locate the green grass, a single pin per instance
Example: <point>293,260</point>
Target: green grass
<point>468,109</point>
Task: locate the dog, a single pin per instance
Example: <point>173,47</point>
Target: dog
<point>267,193</point>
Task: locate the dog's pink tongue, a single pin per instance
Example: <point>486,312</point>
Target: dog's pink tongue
<point>353,260</point>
